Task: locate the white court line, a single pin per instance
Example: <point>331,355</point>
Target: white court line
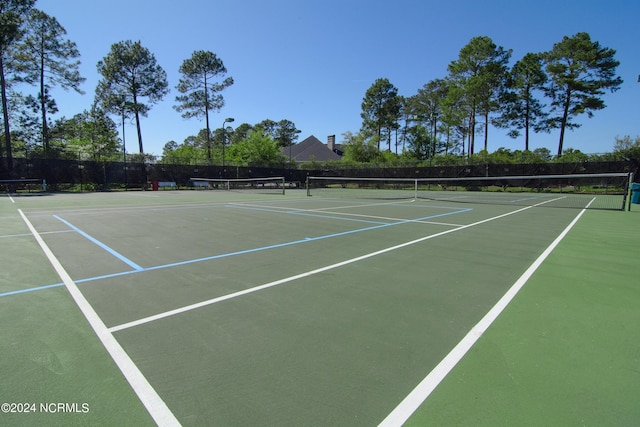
<point>286,208</point>
<point>327,211</point>
<point>158,410</point>
<point>408,406</point>
<point>302,275</point>
<point>29,234</point>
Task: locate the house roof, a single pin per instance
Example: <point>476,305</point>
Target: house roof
<point>311,149</point>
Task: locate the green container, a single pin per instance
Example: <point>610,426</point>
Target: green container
<point>635,193</point>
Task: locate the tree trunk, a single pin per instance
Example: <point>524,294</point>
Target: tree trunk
<point>5,114</point>
<point>472,131</point>
<point>139,132</point>
<point>435,130</point>
<point>486,130</point>
<point>206,115</point>
<point>563,123</point>
<point>526,125</point>
<point>43,107</point>
<point>135,107</point>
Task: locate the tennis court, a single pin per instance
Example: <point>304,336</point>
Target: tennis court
<point>235,308</point>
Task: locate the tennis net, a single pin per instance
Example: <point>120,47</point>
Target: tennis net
<point>23,185</point>
<point>594,191</point>
<point>270,185</point>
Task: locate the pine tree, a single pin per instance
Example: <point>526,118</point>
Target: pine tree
<point>48,60</point>
<point>520,107</point>
<point>200,92</point>
<point>12,13</point>
<point>129,73</point>
<point>580,71</point>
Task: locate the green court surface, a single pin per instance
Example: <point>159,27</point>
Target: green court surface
<point>233,309</point>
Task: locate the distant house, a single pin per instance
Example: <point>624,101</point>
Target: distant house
<point>311,149</point>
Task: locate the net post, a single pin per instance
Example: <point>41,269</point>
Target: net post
<point>283,185</point>
<point>627,193</point>
<point>415,189</point>
<point>308,188</point>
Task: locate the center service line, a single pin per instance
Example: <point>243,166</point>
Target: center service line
<point>303,275</point>
<point>156,407</point>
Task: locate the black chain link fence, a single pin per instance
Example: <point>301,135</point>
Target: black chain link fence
<point>69,175</point>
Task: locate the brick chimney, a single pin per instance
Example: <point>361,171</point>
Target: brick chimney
<point>331,142</point>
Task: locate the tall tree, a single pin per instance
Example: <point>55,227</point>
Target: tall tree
<point>240,133</point>
<point>283,132</point>
<point>580,71</point>
<point>130,72</point>
<point>358,149</point>
<point>456,117</point>
<point>48,60</point>
<point>200,91</point>
<point>427,104</point>
<point>420,143</point>
<point>12,13</point>
<point>92,133</point>
<point>268,127</point>
<point>257,148</point>
<point>381,109</point>
<point>480,70</point>
<point>286,133</point>
<point>520,107</point>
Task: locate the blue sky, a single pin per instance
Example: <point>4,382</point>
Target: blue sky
<point>312,61</point>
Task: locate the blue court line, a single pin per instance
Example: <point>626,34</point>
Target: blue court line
<point>16,235</point>
<point>23,291</point>
<point>102,245</point>
<point>229,254</point>
<point>263,248</point>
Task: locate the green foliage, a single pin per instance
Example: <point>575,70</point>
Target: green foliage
<point>571,155</point>
<point>626,148</point>
<point>12,14</point>
<point>455,118</point>
<point>130,72</point>
<point>184,154</point>
<point>358,150</point>
<point>420,143</point>
<point>480,71</point>
<point>381,110</point>
<point>544,154</point>
<point>240,132</point>
<point>283,132</point>
<point>45,51</point>
<point>90,135</point>
<point>258,148</point>
<point>286,133</point>
<point>200,93</point>
<point>580,71</point>
<point>45,58</point>
<point>521,110</point>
